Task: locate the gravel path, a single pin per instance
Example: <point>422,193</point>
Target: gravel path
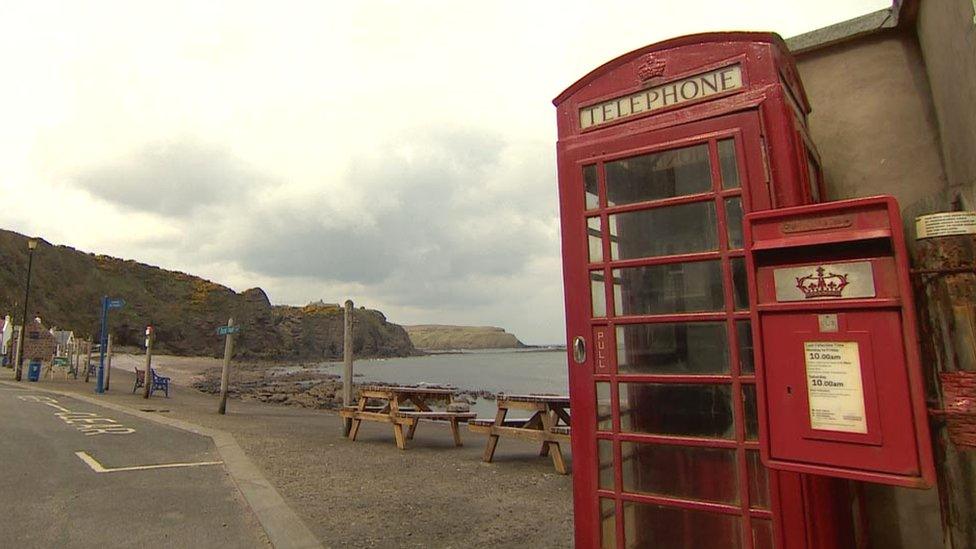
<point>367,493</point>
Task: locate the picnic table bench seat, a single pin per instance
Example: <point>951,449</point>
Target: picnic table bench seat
<point>395,413</point>
<point>435,415</point>
<point>544,427</point>
<point>484,425</point>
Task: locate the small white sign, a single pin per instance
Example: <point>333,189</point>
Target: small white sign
<point>945,224</point>
<point>834,386</point>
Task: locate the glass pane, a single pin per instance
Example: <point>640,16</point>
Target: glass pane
<point>608,524</point>
<point>672,348</point>
<point>747,364</point>
<point>758,481</point>
<point>589,183</point>
<point>671,288</point>
<point>605,455</point>
<point>751,419</point>
<point>740,284</point>
<point>683,229</point>
<point>658,526</point>
<point>762,534</point>
<point>604,411</point>
<point>598,295</point>
<point>594,238</point>
<point>727,164</point>
<point>677,172</point>
<point>733,217</point>
<point>676,409</point>
<point>812,173</point>
<point>707,474</point>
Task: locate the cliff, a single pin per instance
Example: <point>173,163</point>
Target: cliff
<point>67,286</point>
<point>435,337</point>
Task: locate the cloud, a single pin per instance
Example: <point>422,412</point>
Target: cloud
<point>446,219</point>
<point>173,179</point>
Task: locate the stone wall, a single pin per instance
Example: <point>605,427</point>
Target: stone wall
<point>947,36</point>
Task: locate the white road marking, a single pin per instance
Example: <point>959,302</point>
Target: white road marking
<point>89,421</point>
<point>98,468</point>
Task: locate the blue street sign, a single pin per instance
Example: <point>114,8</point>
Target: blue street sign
<point>225,330</point>
<point>116,303</point>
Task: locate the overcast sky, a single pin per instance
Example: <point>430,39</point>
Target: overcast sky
<point>401,154</point>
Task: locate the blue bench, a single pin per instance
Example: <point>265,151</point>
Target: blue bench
<point>158,382</point>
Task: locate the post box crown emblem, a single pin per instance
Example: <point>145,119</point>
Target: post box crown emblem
<point>820,286</point>
<point>650,67</point>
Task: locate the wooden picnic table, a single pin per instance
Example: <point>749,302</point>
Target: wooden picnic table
<point>548,424</point>
<point>393,409</point>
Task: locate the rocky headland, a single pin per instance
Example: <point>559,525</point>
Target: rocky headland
<point>439,337</point>
<point>67,286</point>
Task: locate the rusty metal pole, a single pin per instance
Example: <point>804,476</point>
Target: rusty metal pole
<point>945,285</point>
<point>347,365</point>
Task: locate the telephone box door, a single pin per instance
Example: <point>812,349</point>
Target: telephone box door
<point>665,431</point>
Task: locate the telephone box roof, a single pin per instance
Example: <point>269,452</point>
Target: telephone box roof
<point>770,38</point>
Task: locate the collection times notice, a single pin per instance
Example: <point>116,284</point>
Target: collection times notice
<point>834,386</point>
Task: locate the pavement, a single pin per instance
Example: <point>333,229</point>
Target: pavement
<point>73,474</point>
<point>306,485</point>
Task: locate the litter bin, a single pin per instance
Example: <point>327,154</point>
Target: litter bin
<point>34,370</point>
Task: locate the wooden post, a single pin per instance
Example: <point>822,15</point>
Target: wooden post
<point>347,365</point>
<point>90,346</point>
<point>225,373</point>
<point>17,351</point>
<point>147,386</point>
<point>108,362</point>
<point>945,285</point>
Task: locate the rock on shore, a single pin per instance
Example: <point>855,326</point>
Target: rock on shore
<point>439,337</point>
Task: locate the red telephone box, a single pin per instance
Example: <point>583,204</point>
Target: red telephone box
<point>661,152</point>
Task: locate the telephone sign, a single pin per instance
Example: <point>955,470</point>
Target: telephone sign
<point>838,374</point>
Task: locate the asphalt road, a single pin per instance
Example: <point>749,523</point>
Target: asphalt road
<point>50,496</point>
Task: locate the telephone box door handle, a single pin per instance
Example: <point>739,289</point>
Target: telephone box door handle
<point>579,349</point>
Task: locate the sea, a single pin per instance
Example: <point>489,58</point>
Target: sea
<point>516,371</point>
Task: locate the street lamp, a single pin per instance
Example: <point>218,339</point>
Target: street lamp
<point>31,246</point>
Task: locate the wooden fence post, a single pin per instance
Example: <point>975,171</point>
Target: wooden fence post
<point>147,386</point>
<point>225,373</point>
<point>90,346</point>
<point>347,365</point>
<point>108,362</point>
<point>945,285</point>
<point>17,352</point>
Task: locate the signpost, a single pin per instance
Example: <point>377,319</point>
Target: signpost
<point>107,304</point>
<point>228,332</point>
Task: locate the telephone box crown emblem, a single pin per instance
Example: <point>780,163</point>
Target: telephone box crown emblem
<point>831,285</point>
<point>650,67</point>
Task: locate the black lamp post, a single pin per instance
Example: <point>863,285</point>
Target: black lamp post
<point>31,246</point>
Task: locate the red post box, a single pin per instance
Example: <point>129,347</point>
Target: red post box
<point>839,381</point>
